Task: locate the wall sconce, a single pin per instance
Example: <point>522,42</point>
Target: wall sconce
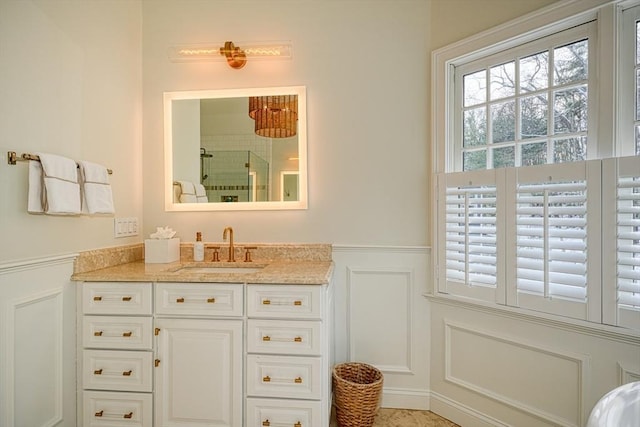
<point>275,116</point>
<point>236,56</point>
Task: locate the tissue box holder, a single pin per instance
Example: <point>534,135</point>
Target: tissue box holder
<point>158,251</point>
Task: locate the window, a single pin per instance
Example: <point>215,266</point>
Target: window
<point>629,102</point>
<point>526,199</point>
<point>526,106</point>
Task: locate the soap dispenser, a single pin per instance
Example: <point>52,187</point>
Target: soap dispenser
<point>198,248</point>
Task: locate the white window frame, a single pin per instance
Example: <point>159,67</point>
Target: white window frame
<point>553,19</point>
<point>546,43</point>
<point>626,98</point>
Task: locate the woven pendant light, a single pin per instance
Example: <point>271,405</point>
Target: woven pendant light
<point>275,116</point>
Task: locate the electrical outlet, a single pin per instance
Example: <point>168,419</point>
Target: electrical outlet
<point>125,227</point>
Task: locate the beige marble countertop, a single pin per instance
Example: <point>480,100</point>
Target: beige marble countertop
<point>272,271</point>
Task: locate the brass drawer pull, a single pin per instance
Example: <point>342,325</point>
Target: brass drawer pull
<point>267,423</point>
<point>101,413</point>
<point>211,300</point>
<point>126,334</point>
<point>97,372</point>
<point>268,379</point>
<point>180,300</point>
<point>127,373</point>
<point>156,363</point>
<point>295,339</point>
<point>268,302</point>
<point>98,299</point>
<point>126,299</point>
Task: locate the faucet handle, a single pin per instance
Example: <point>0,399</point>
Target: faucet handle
<point>247,254</point>
<point>216,256</point>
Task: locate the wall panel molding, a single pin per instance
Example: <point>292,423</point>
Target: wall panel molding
<point>54,358</point>
<point>357,277</point>
<point>381,317</point>
<point>596,330</point>
<point>528,352</point>
<point>37,343</point>
<point>31,264</point>
<point>627,374</point>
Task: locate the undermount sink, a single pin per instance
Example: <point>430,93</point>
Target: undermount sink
<point>220,269</point>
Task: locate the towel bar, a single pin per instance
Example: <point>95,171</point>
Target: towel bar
<point>13,158</point>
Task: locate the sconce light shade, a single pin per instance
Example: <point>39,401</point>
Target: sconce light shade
<point>275,116</point>
<point>236,56</point>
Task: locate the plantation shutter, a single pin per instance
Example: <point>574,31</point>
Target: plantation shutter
<point>622,215</point>
<point>555,211</point>
<point>469,234</point>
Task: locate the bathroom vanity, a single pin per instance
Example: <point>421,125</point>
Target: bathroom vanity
<point>206,344</point>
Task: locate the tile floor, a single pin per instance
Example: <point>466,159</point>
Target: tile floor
<point>406,418</point>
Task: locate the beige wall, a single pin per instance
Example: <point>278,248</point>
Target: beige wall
<point>454,20</point>
<point>77,80</point>
<point>70,84</point>
<point>364,65</point>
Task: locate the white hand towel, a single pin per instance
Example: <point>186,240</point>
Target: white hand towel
<point>34,198</point>
<point>188,194</point>
<point>98,197</point>
<point>61,191</point>
<point>201,193</point>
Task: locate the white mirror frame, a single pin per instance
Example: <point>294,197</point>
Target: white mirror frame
<point>301,203</point>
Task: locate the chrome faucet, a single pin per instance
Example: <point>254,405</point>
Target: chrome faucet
<point>232,257</point>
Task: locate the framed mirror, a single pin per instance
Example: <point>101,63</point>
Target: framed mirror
<point>235,149</point>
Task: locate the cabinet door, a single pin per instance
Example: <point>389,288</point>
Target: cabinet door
<point>198,373</point>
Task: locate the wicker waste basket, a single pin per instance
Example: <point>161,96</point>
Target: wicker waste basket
<point>357,388</point>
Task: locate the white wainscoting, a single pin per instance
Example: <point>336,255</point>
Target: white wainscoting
<point>492,367</point>
<point>37,343</point>
<point>382,318</point>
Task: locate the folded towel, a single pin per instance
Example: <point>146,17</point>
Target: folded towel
<point>188,194</point>
<point>98,197</point>
<point>61,191</point>
<point>201,194</point>
<point>187,187</point>
<point>34,197</point>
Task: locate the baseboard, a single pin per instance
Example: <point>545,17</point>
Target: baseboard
<point>459,413</point>
<point>401,398</point>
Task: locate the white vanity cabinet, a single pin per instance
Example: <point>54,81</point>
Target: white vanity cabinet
<point>289,356</point>
<point>199,359</point>
<point>115,362</point>
<point>190,354</point>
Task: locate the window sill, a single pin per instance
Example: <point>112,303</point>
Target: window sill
<point>615,333</point>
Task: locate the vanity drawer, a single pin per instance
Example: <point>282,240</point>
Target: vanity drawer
<point>116,298</point>
<point>117,332</point>
<point>117,370</point>
<point>297,337</point>
<point>285,301</point>
<point>278,412</point>
<point>108,409</point>
<point>199,299</point>
<point>284,376</point>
